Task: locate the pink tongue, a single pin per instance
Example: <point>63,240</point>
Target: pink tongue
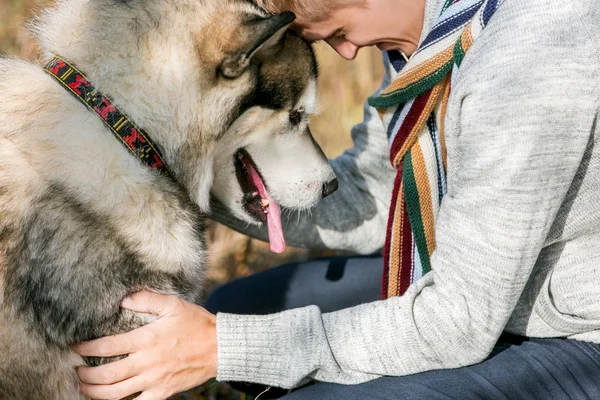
<point>274,226</point>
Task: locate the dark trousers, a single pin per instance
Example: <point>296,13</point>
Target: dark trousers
<point>518,368</point>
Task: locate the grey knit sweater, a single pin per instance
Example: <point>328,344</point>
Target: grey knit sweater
<point>518,233</point>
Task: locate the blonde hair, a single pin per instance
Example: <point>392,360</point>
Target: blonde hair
<point>309,10</point>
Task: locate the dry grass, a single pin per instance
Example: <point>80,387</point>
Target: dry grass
<point>343,86</point>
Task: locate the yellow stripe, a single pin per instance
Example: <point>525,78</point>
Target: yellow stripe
<point>396,244</point>
<point>421,71</point>
<point>120,124</point>
<point>66,74</point>
<point>442,116</point>
<point>422,181</point>
<point>467,37</point>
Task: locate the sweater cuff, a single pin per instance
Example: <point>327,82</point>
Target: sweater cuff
<point>259,348</point>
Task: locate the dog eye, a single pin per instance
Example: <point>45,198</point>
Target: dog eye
<point>296,116</point>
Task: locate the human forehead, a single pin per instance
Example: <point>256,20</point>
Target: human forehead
<point>316,31</point>
<point>326,27</point>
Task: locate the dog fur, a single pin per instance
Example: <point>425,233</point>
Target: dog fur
<point>82,222</point>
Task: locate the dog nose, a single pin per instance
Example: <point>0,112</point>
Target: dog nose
<point>330,187</point>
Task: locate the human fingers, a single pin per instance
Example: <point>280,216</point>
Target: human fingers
<point>117,345</point>
<point>115,391</point>
<point>109,346</point>
<point>110,373</point>
<point>151,303</point>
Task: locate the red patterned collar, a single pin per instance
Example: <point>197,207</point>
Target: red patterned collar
<point>133,138</point>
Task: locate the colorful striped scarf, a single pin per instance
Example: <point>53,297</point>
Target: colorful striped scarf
<point>413,108</point>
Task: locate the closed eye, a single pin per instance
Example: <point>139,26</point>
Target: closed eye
<point>340,33</point>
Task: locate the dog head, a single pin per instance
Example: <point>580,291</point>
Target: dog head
<point>223,88</point>
<point>275,161</point>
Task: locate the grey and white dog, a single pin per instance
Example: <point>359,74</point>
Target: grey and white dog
<point>225,92</point>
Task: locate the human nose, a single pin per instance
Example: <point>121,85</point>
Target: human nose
<point>343,47</point>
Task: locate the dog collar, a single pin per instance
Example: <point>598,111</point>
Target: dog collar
<point>133,138</point>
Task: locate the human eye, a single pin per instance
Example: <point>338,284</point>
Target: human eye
<point>337,34</point>
<point>340,33</point>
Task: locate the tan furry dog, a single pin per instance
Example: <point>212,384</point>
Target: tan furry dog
<point>221,88</point>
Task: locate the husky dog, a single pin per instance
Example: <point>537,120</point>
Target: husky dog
<point>223,90</point>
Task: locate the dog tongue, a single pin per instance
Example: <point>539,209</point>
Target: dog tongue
<point>276,239</point>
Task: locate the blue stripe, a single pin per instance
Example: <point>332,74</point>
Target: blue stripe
<point>437,145</point>
<point>392,124</point>
<point>488,11</point>
<point>450,24</point>
<point>396,59</point>
<point>398,63</point>
<point>440,38</point>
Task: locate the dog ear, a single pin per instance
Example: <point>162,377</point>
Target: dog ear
<point>263,34</point>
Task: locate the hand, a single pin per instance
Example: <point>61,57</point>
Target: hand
<point>176,352</point>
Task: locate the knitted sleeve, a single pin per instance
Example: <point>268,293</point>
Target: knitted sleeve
<point>522,115</point>
<point>354,217</point>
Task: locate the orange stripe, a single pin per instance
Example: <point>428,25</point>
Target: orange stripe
<point>442,116</point>
<point>421,71</point>
<point>467,37</point>
<point>422,181</point>
<point>396,244</point>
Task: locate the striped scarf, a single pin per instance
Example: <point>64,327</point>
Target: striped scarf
<point>413,108</point>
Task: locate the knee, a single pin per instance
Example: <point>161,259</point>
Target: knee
<point>259,294</point>
<point>226,298</point>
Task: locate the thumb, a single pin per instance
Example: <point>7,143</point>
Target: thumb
<point>149,303</point>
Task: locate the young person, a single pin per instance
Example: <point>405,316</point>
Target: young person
<point>492,258</point>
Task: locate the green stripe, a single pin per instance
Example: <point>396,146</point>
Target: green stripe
<point>413,207</point>
<point>412,90</point>
<point>446,5</point>
<point>458,52</point>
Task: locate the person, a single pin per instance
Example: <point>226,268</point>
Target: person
<point>491,250</point>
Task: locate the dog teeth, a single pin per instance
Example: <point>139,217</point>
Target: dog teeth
<point>264,202</point>
<point>254,194</point>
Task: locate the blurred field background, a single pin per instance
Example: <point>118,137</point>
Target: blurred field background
<point>343,87</point>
